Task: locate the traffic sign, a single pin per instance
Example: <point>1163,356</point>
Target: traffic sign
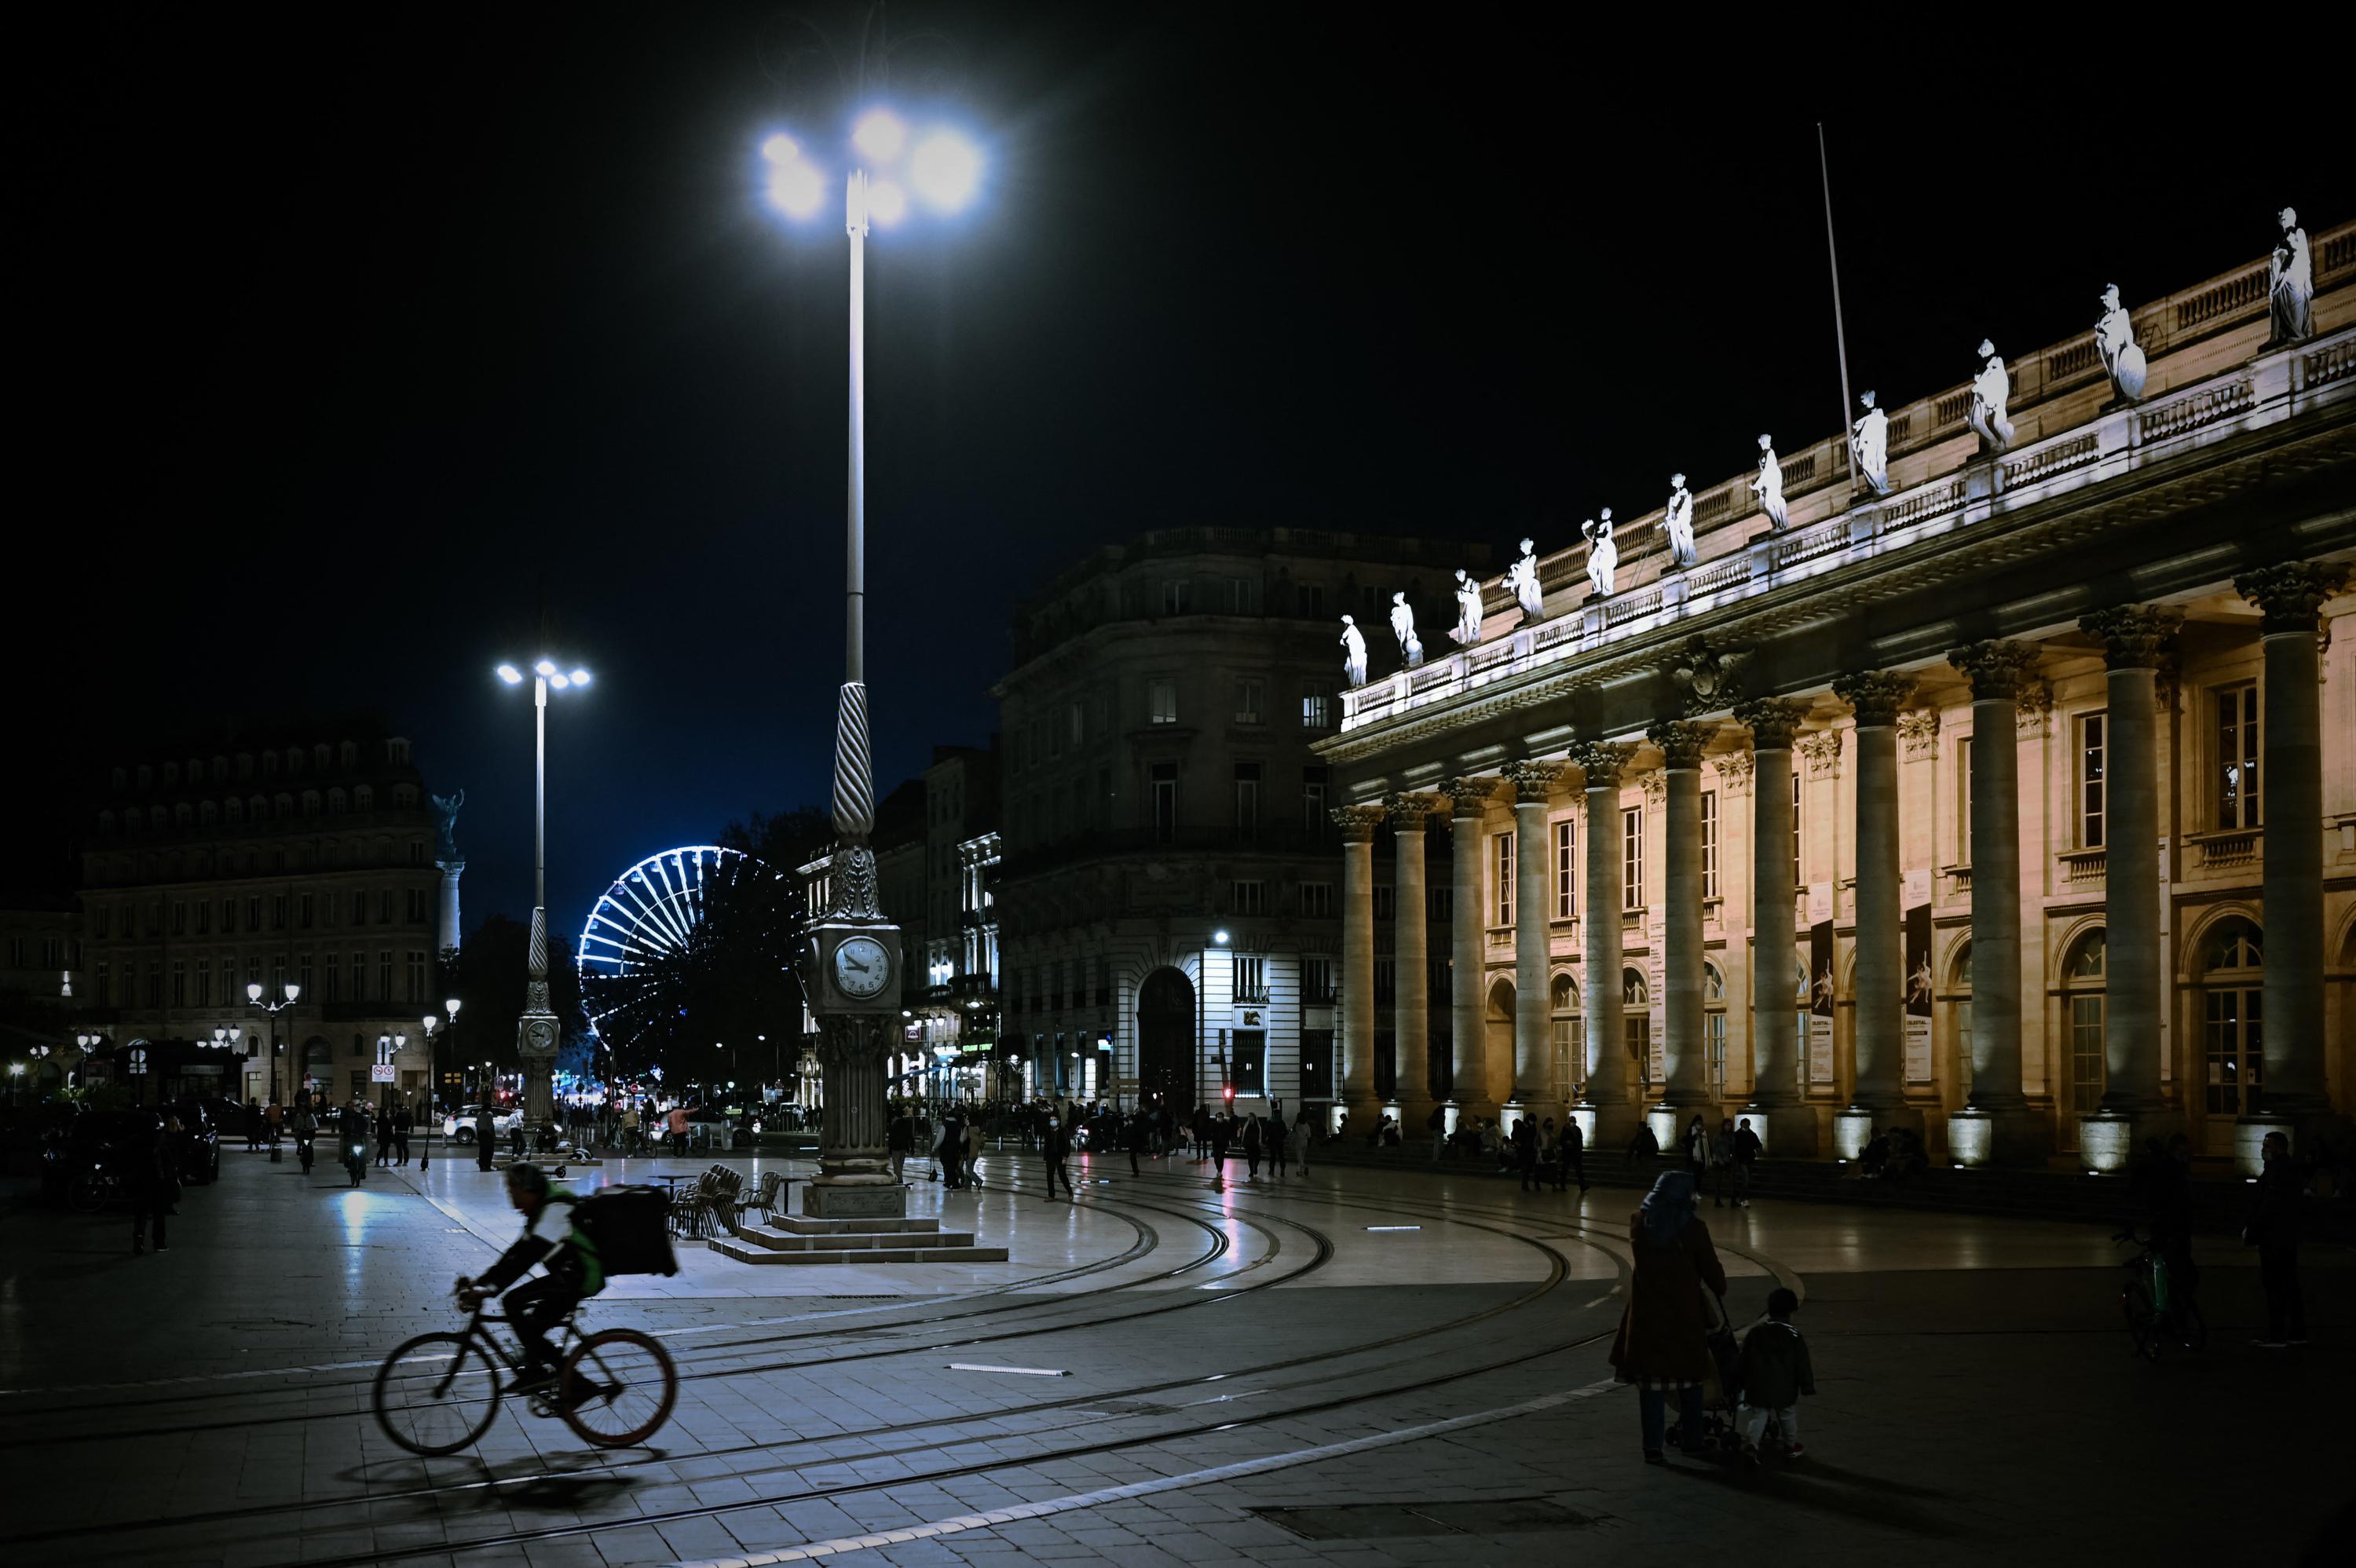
<point>382,1073</point>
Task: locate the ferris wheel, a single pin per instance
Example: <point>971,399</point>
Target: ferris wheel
<point>647,925</point>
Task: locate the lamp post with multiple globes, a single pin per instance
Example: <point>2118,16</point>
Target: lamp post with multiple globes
<point>537,1032</point>
<point>272,1010</point>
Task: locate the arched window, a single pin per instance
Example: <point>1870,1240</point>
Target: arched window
<point>335,801</point>
<point>363,798</point>
<point>1569,1036</point>
<point>233,809</point>
<point>1958,999</point>
<point>2232,956</point>
<point>1637,1025</point>
<point>2081,977</point>
<point>1713,1029</point>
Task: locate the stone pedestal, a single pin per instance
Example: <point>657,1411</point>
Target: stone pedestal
<point>1607,1128</point>
<point>1786,1132</point>
<point>1854,1127</point>
<point>854,1179</point>
<point>1977,1138</point>
<point>2108,1139</point>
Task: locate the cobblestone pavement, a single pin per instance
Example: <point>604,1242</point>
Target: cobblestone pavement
<point>1349,1369</point>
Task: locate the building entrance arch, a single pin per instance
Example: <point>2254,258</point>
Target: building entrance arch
<point>1165,1032</point>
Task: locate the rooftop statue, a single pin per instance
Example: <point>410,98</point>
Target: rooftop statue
<point>2290,282</point>
<point>1770,484</point>
<point>1354,652</point>
<point>1991,389</point>
<point>446,824</point>
<point>2114,341</point>
<point>1467,630</point>
<point>1869,443</point>
<point>1403,628</point>
<point>1677,522</point>
<point>1603,555</point>
<point>1522,577</point>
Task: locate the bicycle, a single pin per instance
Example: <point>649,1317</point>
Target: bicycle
<point>2148,1301</point>
<point>438,1392</point>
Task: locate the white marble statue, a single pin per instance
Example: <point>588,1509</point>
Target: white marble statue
<point>2114,341</point>
<point>1678,521</point>
<point>1467,630</point>
<point>1991,389</point>
<point>1522,577</point>
<point>2290,282</point>
<point>1869,443</point>
<point>1403,628</point>
<point>1603,555</point>
<point>1770,484</point>
<point>1354,652</point>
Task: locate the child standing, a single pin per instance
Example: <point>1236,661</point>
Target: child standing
<point>1775,1373</point>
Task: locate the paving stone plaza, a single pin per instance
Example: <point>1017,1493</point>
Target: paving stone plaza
<point>1358,1366</point>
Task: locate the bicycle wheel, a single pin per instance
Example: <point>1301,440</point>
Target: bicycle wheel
<point>437,1394</point>
<point>2191,1329</point>
<point>87,1195</point>
<point>2143,1323</point>
<point>617,1388</point>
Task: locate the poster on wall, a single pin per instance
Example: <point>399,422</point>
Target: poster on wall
<point>1918,994</point>
<point>1820,1003</point>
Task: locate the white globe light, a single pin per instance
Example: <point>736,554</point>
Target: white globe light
<point>945,169</point>
<point>795,189</point>
<point>880,136</point>
<point>509,673</point>
<point>886,203</point>
<point>780,150</point>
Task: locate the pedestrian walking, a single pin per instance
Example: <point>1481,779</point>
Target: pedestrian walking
<point>1278,1135</point>
<point>948,1155</point>
<point>383,1137</point>
<point>401,1123</point>
<point>1202,1133</point>
<point>1222,1132</point>
<point>1644,1149</point>
<point>484,1132</point>
<point>1721,1161</point>
<point>1253,1133</point>
<point>973,1149</point>
<point>1661,1345</point>
<point>1574,1153</point>
<point>2274,1230</point>
<point>1301,1143</point>
<point>900,1141</point>
<point>154,1180</point>
<point>1056,1148</point>
<point>1139,1130</point>
<point>675,1123</point>
<point>275,1115</point>
<point>1746,1155</point>
<point>254,1125</point>
<point>1695,1147</point>
<point>1526,1152</point>
<point>1775,1372</point>
<point>1549,1153</point>
<point>1437,1125</point>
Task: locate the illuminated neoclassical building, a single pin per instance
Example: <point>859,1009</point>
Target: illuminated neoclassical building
<point>2016,803</point>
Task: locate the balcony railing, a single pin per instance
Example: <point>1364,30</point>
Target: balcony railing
<point>2220,850</point>
<point>2079,867</point>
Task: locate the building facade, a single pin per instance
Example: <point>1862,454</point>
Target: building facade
<point>2016,803</point>
<point>1165,902</point>
<point>307,861</point>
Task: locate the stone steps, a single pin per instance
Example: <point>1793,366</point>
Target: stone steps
<point>797,1239</point>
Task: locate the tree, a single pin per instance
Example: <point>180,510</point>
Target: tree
<point>488,974</point>
<point>784,842</point>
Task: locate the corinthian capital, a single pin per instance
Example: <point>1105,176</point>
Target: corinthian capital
<point>1823,750</point>
<point>1471,796</point>
<point>2135,636</point>
<point>2290,596</point>
<point>1602,761</point>
<point>1681,741</point>
<point>1996,669</point>
<point>1772,720</point>
<point>1358,822</point>
<point>1876,695</point>
<point>1735,770</point>
<point>1409,810</point>
<point>1532,781</point>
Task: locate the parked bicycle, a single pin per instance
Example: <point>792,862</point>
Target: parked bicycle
<point>438,1392</point>
<point>2158,1314</point>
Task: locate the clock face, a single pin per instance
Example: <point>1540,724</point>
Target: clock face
<point>862,967</point>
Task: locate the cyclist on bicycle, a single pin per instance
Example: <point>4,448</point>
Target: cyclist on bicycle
<point>575,1273</point>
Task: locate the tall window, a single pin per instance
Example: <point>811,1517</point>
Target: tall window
<point>179,982</point>
<point>1249,895</point>
<point>1313,819</point>
<point>1385,900</point>
<point>303,974</point>
<point>1386,982</point>
<point>1175,596</point>
<point>1709,843</point>
<point>416,976</point>
<point>1250,970</point>
<point>1162,702</point>
<point>2082,975</point>
<point>1316,710</point>
<point>204,982</point>
<point>2237,757</point>
<point>1251,701</point>
<point>1248,801</point>
<point>1569,1035</point>
<point>2233,1036</point>
<point>1964,801</point>
<point>1637,1024</point>
<point>359,976</point>
<point>1317,899</point>
<point>1075,723</point>
<point>1566,868</point>
<point>1713,1028</point>
<point>1165,802</point>
<point>1316,981</point>
<point>1631,858</point>
<point>1501,885</point>
<point>2090,781</point>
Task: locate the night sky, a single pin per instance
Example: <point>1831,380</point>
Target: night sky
<point>352,332</point>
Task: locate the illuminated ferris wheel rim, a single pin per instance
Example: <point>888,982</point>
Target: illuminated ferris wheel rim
<point>650,913</point>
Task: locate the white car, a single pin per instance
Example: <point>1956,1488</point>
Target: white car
<point>460,1127</point>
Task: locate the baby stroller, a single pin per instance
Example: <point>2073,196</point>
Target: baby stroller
<point>1721,1392</point>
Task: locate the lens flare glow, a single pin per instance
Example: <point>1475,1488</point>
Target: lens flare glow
<point>795,187</point>
<point>880,136</point>
<point>780,150</point>
<point>886,203</point>
<point>945,169</point>
<point>580,678</point>
<point>511,675</point>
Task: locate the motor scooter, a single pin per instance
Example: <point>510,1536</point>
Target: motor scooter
<point>356,1161</point>
<point>303,1142</point>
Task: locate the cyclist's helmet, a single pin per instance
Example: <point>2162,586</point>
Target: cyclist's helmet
<point>530,1178</point>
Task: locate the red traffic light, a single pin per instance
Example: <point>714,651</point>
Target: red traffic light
<point>1231,1090</point>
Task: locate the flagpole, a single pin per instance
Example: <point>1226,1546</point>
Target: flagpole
<point>1840,333</point>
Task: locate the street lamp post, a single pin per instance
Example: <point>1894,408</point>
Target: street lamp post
<point>434,1029</point>
<point>536,1031</point>
<point>271,1010</point>
<point>850,965</point>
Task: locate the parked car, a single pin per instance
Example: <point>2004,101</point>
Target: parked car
<point>201,1124</point>
<point>459,1126</point>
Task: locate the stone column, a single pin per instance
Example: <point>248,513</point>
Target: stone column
<point>1609,1111</point>
<point>1687,1088</point>
<point>1468,1025</point>
<point>1412,1030</point>
<point>1778,1112</point>
<point>1358,823</point>
<point>2135,638</point>
<point>2290,777</point>
<point>1878,1096</point>
<point>1534,1087</point>
<point>448,930</point>
<point>1996,1126</point>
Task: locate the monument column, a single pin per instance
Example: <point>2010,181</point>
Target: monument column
<point>1996,1124</point>
<point>2291,597</point>
<point>1358,823</point>
<point>1411,1028</point>
<point>1687,1088</point>
<point>1534,1086</point>
<point>2134,637</point>
<point>1468,1031</point>
<point>1608,1112</point>
<point>1879,1099</point>
<point>1778,1113</point>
